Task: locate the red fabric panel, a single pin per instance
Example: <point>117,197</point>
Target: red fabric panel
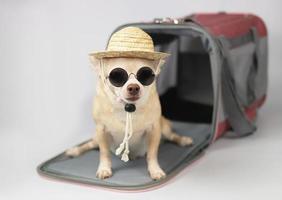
<point>230,25</point>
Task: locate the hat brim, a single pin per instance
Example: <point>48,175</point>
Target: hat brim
<point>130,54</point>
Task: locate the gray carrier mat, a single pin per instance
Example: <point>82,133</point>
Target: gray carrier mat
<point>132,175</point>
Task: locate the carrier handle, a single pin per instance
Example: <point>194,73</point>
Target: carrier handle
<point>233,107</point>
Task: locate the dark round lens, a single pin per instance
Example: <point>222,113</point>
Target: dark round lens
<point>118,77</point>
<point>145,76</point>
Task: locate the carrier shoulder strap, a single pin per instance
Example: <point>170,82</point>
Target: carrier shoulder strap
<point>233,107</point>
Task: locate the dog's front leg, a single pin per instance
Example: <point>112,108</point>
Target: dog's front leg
<point>154,137</point>
<point>104,170</point>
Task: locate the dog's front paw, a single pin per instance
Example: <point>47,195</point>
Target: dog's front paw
<point>103,172</point>
<point>73,152</point>
<point>157,173</point>
<point>186,141</point>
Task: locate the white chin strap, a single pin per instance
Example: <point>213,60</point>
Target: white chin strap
<point>124,146</point>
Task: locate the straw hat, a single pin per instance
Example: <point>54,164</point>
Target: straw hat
<point>130,42</point>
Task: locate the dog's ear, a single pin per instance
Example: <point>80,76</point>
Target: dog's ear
<point>158,65</point>
<point>95,64</point>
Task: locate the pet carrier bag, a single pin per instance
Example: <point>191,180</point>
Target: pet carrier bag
<point>214,81</point>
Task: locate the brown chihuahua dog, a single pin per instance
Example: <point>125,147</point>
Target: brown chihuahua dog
<point>127,73</point>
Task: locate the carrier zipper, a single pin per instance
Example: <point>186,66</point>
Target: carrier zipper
<point>168,20</point>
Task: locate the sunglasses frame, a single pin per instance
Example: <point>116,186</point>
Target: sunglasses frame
<point>135,75</point>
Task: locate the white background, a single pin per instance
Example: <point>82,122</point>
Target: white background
<point>46,88</point>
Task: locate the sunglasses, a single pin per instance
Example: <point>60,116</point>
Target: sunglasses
<point>118,76</point>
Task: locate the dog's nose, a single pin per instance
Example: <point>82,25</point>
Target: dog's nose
<point>133,89</point>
